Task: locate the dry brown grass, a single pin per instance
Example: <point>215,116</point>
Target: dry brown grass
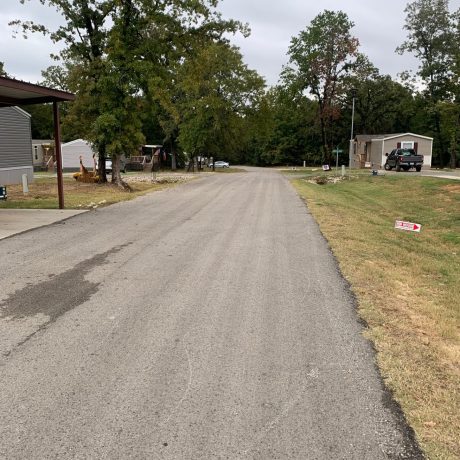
<point>43,193</point>
<point>407,287</point>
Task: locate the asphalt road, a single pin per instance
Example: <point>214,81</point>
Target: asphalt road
<point>208,321</point>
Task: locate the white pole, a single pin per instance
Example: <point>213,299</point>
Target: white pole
<point>352,117</point>
<point>25,185</point>
<point>337,161</point>
<point>351,149</point>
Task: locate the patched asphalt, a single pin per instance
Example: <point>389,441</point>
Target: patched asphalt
<point>205,321</point>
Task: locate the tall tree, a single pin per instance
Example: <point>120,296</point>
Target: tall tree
<point>320,57</point>
<point>215,90</point>
<point>84,35</point>
<point>2,70</point>
<point>170,43</point>
<point>431,39</point>
<point>113,48</point>
<point>381,104</point>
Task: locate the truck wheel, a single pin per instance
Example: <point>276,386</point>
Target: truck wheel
<point>418,168</point>
<point>387,167</point>
<point>398,168</point>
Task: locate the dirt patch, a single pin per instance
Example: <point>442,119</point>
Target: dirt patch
<point>322,180</point>
<point>158,178</point>
<point>452,188</point>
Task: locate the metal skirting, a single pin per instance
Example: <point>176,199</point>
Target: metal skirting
<point>12,176</point>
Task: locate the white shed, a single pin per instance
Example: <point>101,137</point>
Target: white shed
<point>71,152</point>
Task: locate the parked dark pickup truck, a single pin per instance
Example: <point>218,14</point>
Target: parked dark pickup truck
<point>403,159</point>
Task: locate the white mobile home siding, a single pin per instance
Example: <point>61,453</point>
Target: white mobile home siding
<point>376,154</point>
<point>424,146</point>
<point>15,146</point>
<point>38,150</point>
<point>71,152</point>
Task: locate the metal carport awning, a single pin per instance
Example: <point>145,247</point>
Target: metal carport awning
<point>15,92</point>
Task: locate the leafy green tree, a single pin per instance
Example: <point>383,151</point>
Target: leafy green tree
<point>320,58</point>
<point>297,133</point>
<point>454,131</point>
<point>382,105</point>
<point>42,123</point>
<point>217,90</point>
<point>258,132</point>
<point>189,37</point>
<point>57,77</point>
<point>2,70</point>
<point>113,48</point>
<point>84,35</point>
<point>431,40</point>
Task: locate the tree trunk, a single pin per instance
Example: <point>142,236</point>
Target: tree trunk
<point>191,165</point>
<point>453,151</point>
<point>173,161</point>
<point>116,174</point>
<point>323,140</point>
<point>439,135</point>
<point>453,146</point>
<point>101,165</point>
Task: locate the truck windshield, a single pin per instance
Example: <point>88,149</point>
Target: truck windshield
<point>407,152</point>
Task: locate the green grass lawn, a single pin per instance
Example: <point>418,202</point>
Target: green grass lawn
<point>407,286</point>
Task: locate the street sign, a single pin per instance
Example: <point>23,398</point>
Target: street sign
<point>408,226</point>
<point>337,151</point>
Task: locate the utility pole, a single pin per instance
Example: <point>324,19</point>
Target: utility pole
<point>350,152</point>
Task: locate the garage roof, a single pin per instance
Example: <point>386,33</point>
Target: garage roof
<point>15,92</point>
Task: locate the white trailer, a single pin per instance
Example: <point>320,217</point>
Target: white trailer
<point>71,152</point>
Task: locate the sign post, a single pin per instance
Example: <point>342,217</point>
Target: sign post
<point>337,151</point>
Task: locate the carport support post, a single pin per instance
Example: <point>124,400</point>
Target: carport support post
<point>57,151</point>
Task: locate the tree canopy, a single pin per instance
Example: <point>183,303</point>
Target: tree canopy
<point>320,58</point>
<point>165,72</point>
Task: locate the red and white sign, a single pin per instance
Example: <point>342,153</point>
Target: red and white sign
<point>408,226</point>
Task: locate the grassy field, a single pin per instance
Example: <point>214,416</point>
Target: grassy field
<point>43,193</point>
<point>407,286</point>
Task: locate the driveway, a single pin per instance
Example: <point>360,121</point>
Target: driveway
<point>439,173</point>
<point>450,174</point>
<point>205,321</point>
<point>14,221</point>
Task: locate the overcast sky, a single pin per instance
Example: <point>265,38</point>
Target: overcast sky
<point>378,26</point>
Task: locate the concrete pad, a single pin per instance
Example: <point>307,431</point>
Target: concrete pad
<point>13,221</point>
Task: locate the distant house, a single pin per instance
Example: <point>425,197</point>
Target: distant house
<point>43,154</point>
<point>368,151</point>
<point>71,152</point>
<point>15,146</point>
